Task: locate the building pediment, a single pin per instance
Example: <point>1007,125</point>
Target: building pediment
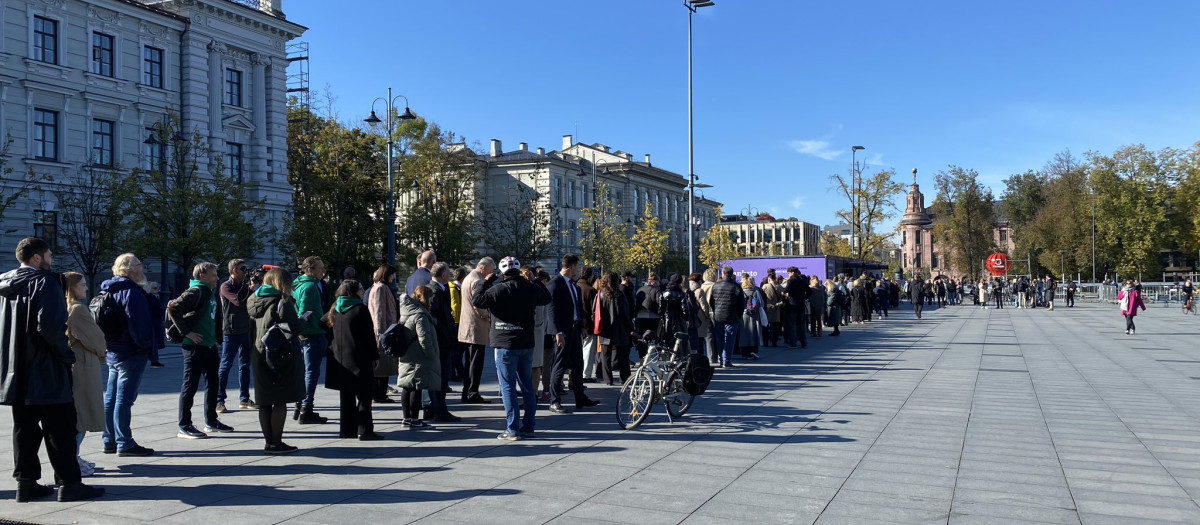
<point>239,122</point>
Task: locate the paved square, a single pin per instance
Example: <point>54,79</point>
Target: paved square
<point>967,416</point>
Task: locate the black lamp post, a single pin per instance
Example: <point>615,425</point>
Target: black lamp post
<point>391,132</point>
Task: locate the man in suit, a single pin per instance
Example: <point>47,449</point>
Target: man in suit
<point>566,322</point>
<point>443,318</point>
<point>796,292</point>
<point>591,369</point>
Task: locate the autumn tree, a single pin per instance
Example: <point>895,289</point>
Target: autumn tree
<point>1134,205</point>
<point>717,247</point>
<point>88,220</point>
<point>872,202</point>
<point>965,218</point>
<point>604,239</point>
<point>13,189</point>
<point>523,226</point>
<point>834,245</point>
<point>648,246</point>
<point>440,175</point>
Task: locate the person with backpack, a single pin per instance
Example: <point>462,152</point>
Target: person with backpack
<point>646,301</point>
<point>277,382</point>
<point>795,293</point>
<point>197,324</point>
<point>36,382</point>
<point>123,314</point>
<point>750,329</point>
<point>673,311</point>
<point>353,356</point>
<point>314,342</point>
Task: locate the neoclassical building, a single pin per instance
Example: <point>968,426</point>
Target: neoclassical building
<point>773,237</point>
<point>918,248</point>
<point>83,84</point>
<point>565,181</point>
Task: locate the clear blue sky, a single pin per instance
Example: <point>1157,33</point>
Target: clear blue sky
<point>783,88</point>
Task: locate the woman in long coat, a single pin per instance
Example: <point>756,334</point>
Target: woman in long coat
<point>421,367</point>
<point>750,332</point>
<point>352,360</point>
<point>275,388</point>
<point>834,302</point>
<point>859,297</point>
<point>381,302</point>
<point>615,326</point>
<point>87,341</point>
<point>816,307</point>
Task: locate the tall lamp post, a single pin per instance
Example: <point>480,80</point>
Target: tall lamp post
<point>1092,190</point>
<point>391,132</point>
<point>1062,264</point>
<point>751,214</point>
<point>855,201</point>
<point>692,6</point>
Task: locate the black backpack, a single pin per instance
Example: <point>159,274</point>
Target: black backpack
<point>697,374</point>
<point>395,340</point>
<point>109,315</point>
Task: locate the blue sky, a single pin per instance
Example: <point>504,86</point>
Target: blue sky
<point>783,88</point>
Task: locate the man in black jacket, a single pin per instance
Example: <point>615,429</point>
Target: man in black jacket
<point>196,315</point>
<point>447,338</point>
<point>916,290</point>
<point>565,322</point>
<point>512,303</point>
<point>796,292</point>
<point>35,362</point>
<point>236,344</point>
<point>726,302</point>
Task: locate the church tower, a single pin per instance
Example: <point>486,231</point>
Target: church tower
<point>915,229</point>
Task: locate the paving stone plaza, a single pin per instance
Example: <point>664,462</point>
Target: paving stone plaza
<point>966,416</point>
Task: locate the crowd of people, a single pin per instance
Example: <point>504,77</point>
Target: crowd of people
<point>74,366</point>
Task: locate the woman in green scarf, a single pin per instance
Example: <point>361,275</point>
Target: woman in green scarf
<point>276,384</point>
<point>353,357</point>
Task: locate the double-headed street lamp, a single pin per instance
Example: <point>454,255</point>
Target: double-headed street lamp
<point>391,138</point>
<point>855,198</point>
<point>692,6</point>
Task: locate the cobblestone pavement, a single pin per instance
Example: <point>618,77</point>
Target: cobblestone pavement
<point>966,416</point>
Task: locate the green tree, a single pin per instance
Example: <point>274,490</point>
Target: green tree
<point>1133,207</point>
<point>1061,220</point>
<point>89,221</point>
<point>876,203</point>
<point>833,244</point>
<point>604,239</point>
<point>13,189</point>
<point>441,174</point>
<point>718,245</point>
<point>340,192</point>
<point>649,243</point>
<point>965,218</point>
<point>1024,196</point>
<point>185,215</point>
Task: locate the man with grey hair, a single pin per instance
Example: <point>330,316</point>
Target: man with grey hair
<point>236,344</point>
<point>129,339</point>
<point>196,316</point>
<point>474,331</point>
<point>422,276</point>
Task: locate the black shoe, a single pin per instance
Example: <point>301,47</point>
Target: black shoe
<point>79,492</point>
<point>348,435</point>
<point>585,403</point>
<point>110,450</point>
<point>383,400</point>
<point>370,437</point>
<point>281,448</point>
<point>217,426</point>
<point>477,400</point>
<point>190,432</point>
<point>296,414</point>
<point>30,490</point>
<point>156,364</point>
<point>527,434</point>
<point>447,417</point>
<point>136,451</point>
<point>558,409</point>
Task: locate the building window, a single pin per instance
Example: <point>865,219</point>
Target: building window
<point>935,260</point>
<point>102,142</point>
<point>45,40</point>
<point>234,158</point>
<point>903,237</point>
<point>917,260</point>
<point>571,193</point>
<point>152,67</point>
<point>233,87</point>
<point>917,237</point>
<point>1003,237</point>
<point>45,134</point>
<point>102,54</point>
<point>45,227</point>
<point>574,234</point>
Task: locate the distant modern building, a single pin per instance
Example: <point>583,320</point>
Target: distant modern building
<point>83,84</point>
<point>566,181</point>
<point>767,236</point>
<point>918,248</point>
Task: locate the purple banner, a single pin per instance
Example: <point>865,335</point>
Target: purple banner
<point>757,266</point>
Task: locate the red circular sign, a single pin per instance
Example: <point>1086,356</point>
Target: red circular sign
<point>997,263</point>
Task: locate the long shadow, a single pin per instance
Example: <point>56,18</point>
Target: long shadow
<point>209,495</point>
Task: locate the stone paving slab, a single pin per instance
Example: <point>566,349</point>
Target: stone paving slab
<point>966,416</point>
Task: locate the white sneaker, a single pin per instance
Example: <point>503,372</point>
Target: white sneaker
<point>86,469</point>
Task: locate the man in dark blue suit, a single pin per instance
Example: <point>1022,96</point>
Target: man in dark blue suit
<point>566,322</point>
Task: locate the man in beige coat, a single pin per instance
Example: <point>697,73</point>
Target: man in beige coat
<point>474,328</point>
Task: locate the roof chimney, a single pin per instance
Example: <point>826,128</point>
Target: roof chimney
<point>567,142</point>
<point>627,156</point>
<point>523,147</point>
<point>541,151</point>
<point>496,149</point>
<point>647,159</point>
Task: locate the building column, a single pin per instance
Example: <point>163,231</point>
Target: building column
<point>216,96</point>
<point>256,161</point>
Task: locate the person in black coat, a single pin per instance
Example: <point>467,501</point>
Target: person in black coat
<point>916,290</point>
<point>352,359</point>
<point>616,326</point>
<point>796,293</point>
<point>447,336</point>
<point>566,322</point>
<point>35,359</point>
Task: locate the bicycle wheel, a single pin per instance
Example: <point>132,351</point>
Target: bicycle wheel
<point>677,399</point>
<point>635,400</point>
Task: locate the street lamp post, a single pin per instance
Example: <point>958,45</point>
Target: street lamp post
<point>692,6</point>
<point>391,132</point>
<point>1092,190</point>
<point>751,214</point>
<point>1062,264</point>
<point>855,200</point>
